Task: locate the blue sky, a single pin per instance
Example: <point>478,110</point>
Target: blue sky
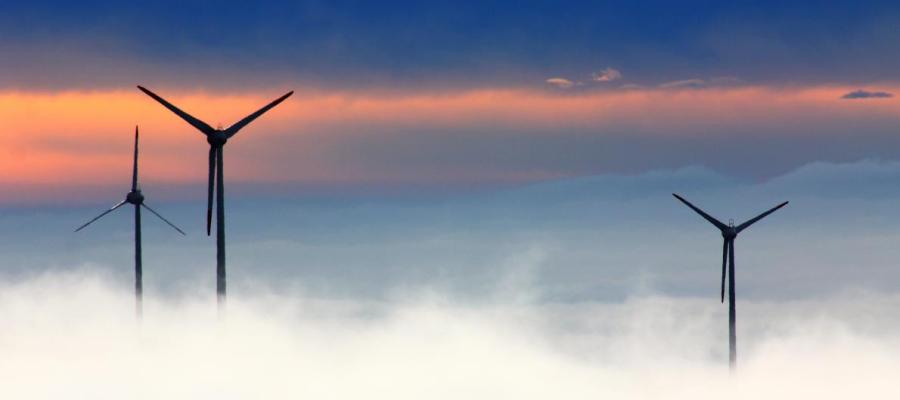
<point>445,45</point>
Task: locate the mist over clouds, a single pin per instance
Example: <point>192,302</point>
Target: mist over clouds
<point>74,335</point>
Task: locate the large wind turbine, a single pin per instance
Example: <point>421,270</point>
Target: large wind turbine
<point>729,233</point>
<point>136,198</point>
<point>216,139</point>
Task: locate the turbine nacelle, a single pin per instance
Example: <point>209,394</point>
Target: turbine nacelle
<point>217,138</point>
<point>135,197</point>
<point>729,233</point>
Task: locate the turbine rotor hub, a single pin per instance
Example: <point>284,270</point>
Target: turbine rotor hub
<point>217,138</point>
<point>729,233</point>
<point>135,197</point>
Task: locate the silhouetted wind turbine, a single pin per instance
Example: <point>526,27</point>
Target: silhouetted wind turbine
<point>216,139</point>
<point>136,198</point>
<point>729,233</point>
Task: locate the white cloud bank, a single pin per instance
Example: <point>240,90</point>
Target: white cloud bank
<point>73,336</point>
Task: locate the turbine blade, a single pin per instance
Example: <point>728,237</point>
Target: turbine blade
<point>724,261</point>
<point>233,129</point>
<point>134,173</point>
<point>161,217</point>
<point>747,224</point>
<point>708,217</point>
<point>196,123</point>
<point>113,208</point>
<point>209,191</point>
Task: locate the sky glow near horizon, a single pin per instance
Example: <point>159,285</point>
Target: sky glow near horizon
<point>470,200</point>
<point>480,137</point>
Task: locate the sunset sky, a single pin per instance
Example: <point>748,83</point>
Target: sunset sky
<point>432,96</point>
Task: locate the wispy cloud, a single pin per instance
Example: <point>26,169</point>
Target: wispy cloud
<point>607,75</point>
<point>695,83</point>
<point>698,83</point>
<point>865,94</point>
<point>561,83</point>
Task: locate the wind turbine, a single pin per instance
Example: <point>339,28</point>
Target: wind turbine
<point>216,139</point>
<point>136,198</point>
<point>729,233</point>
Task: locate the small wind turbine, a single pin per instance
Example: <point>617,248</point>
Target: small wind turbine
<point>216,139</point>
<point>729,233</point>
<point>136,198</point>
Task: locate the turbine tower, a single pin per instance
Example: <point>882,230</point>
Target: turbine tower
<point>729,233</point>
<point>216,139</point>
<point>136,198</point>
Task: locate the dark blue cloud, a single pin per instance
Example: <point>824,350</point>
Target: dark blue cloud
<point>865,94</point>
<point>351,43</point>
